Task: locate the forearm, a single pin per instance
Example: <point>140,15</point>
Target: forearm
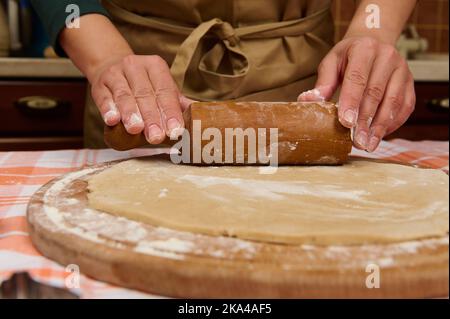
<point>93,46</point>
<point>393,16</point>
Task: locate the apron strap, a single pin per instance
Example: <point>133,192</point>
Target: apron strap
<point>296,27</point>
<point>221,78</point>
<point>210,62</point>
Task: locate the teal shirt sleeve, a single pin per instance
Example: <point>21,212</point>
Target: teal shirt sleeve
<point>53,16</point>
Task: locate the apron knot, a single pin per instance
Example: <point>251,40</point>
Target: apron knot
<point>226,32</point>
<point>223,66</point>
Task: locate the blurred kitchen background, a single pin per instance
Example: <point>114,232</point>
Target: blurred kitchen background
<point>42,96</point>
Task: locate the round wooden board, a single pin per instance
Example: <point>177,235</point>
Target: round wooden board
<point>181,264</point>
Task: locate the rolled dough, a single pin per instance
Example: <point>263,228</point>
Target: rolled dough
<point>361,202</point>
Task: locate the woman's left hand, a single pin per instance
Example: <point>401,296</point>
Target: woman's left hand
<point>377,93</point>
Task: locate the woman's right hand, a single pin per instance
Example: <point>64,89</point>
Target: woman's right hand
<point>140,91</point>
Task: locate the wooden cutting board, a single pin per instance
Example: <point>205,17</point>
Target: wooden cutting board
<point>181,264</point>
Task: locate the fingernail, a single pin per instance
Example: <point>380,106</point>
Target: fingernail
<point>361,139</point>
<point>173,126</point>
<point>311,95</point>
<point>350,117</point>
<point>112,106</point>
<point>133,120</point>
<point>110,116</point>
<point>373,144</point>
<point>154,134</point>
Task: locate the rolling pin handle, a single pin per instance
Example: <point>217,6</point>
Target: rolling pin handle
<point>117,138</point>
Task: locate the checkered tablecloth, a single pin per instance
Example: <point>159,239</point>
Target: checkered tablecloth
<point>22,173</point>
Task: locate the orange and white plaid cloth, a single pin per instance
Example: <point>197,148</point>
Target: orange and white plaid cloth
<point>23,173</point>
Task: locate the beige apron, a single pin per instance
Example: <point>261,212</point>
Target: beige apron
<point>260,50</point>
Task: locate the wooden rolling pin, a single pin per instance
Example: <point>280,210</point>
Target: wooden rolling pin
<point>308,133</point>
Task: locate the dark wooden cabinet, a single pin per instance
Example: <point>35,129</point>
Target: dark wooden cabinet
<point>41,114</point>
<point>46,114</point>
<point>430,118</point>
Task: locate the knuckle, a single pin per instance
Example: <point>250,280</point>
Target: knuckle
<point>390,52</point>
<point>111,70</point>
<point>122,92</point>
<point>357,77</point>
<point>369,43</point>
<point>396,101</point>
<point>110,75</point>
<point>365,120</point>
<point>130,59</point>
<point>156,60</point>
<point>164,92</point>
<point>364,117</point>
<point>142,92</point>
<point>365,43</point>
<point>375,93</point>
<point>106,75</point>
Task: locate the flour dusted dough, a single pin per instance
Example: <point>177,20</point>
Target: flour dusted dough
<point>360,202</point>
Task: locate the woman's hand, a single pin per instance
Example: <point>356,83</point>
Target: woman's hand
<point>140,92</point>
<point>377,93</point>
<point>137,90</point>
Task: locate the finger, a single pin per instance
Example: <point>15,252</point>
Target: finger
<point>167,96</point>
<point>360,60</point>
<point>104,100</point>
<point>185,102</point>
<point>123,97</point>
<point>383,67</point>
<point>392,103</point>
<point>143,93</point>
<point>407,109</point>
<point>313,95</point>
<point>327,80</point>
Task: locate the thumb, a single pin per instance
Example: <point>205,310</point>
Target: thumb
<point>327,81</point>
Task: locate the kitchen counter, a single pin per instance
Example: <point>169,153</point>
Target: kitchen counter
<point>38,68</point>
<point>424,68</point>
<point>429,70</point>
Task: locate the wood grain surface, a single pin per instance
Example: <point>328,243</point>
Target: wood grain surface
<point>180,264</point>
<point>320,139</point>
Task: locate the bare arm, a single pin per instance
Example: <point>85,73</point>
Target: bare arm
<point>394,15</point>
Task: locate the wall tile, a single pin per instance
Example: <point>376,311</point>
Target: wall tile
<point>429,16</point>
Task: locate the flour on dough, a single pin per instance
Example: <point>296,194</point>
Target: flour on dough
<point>361,202</point>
